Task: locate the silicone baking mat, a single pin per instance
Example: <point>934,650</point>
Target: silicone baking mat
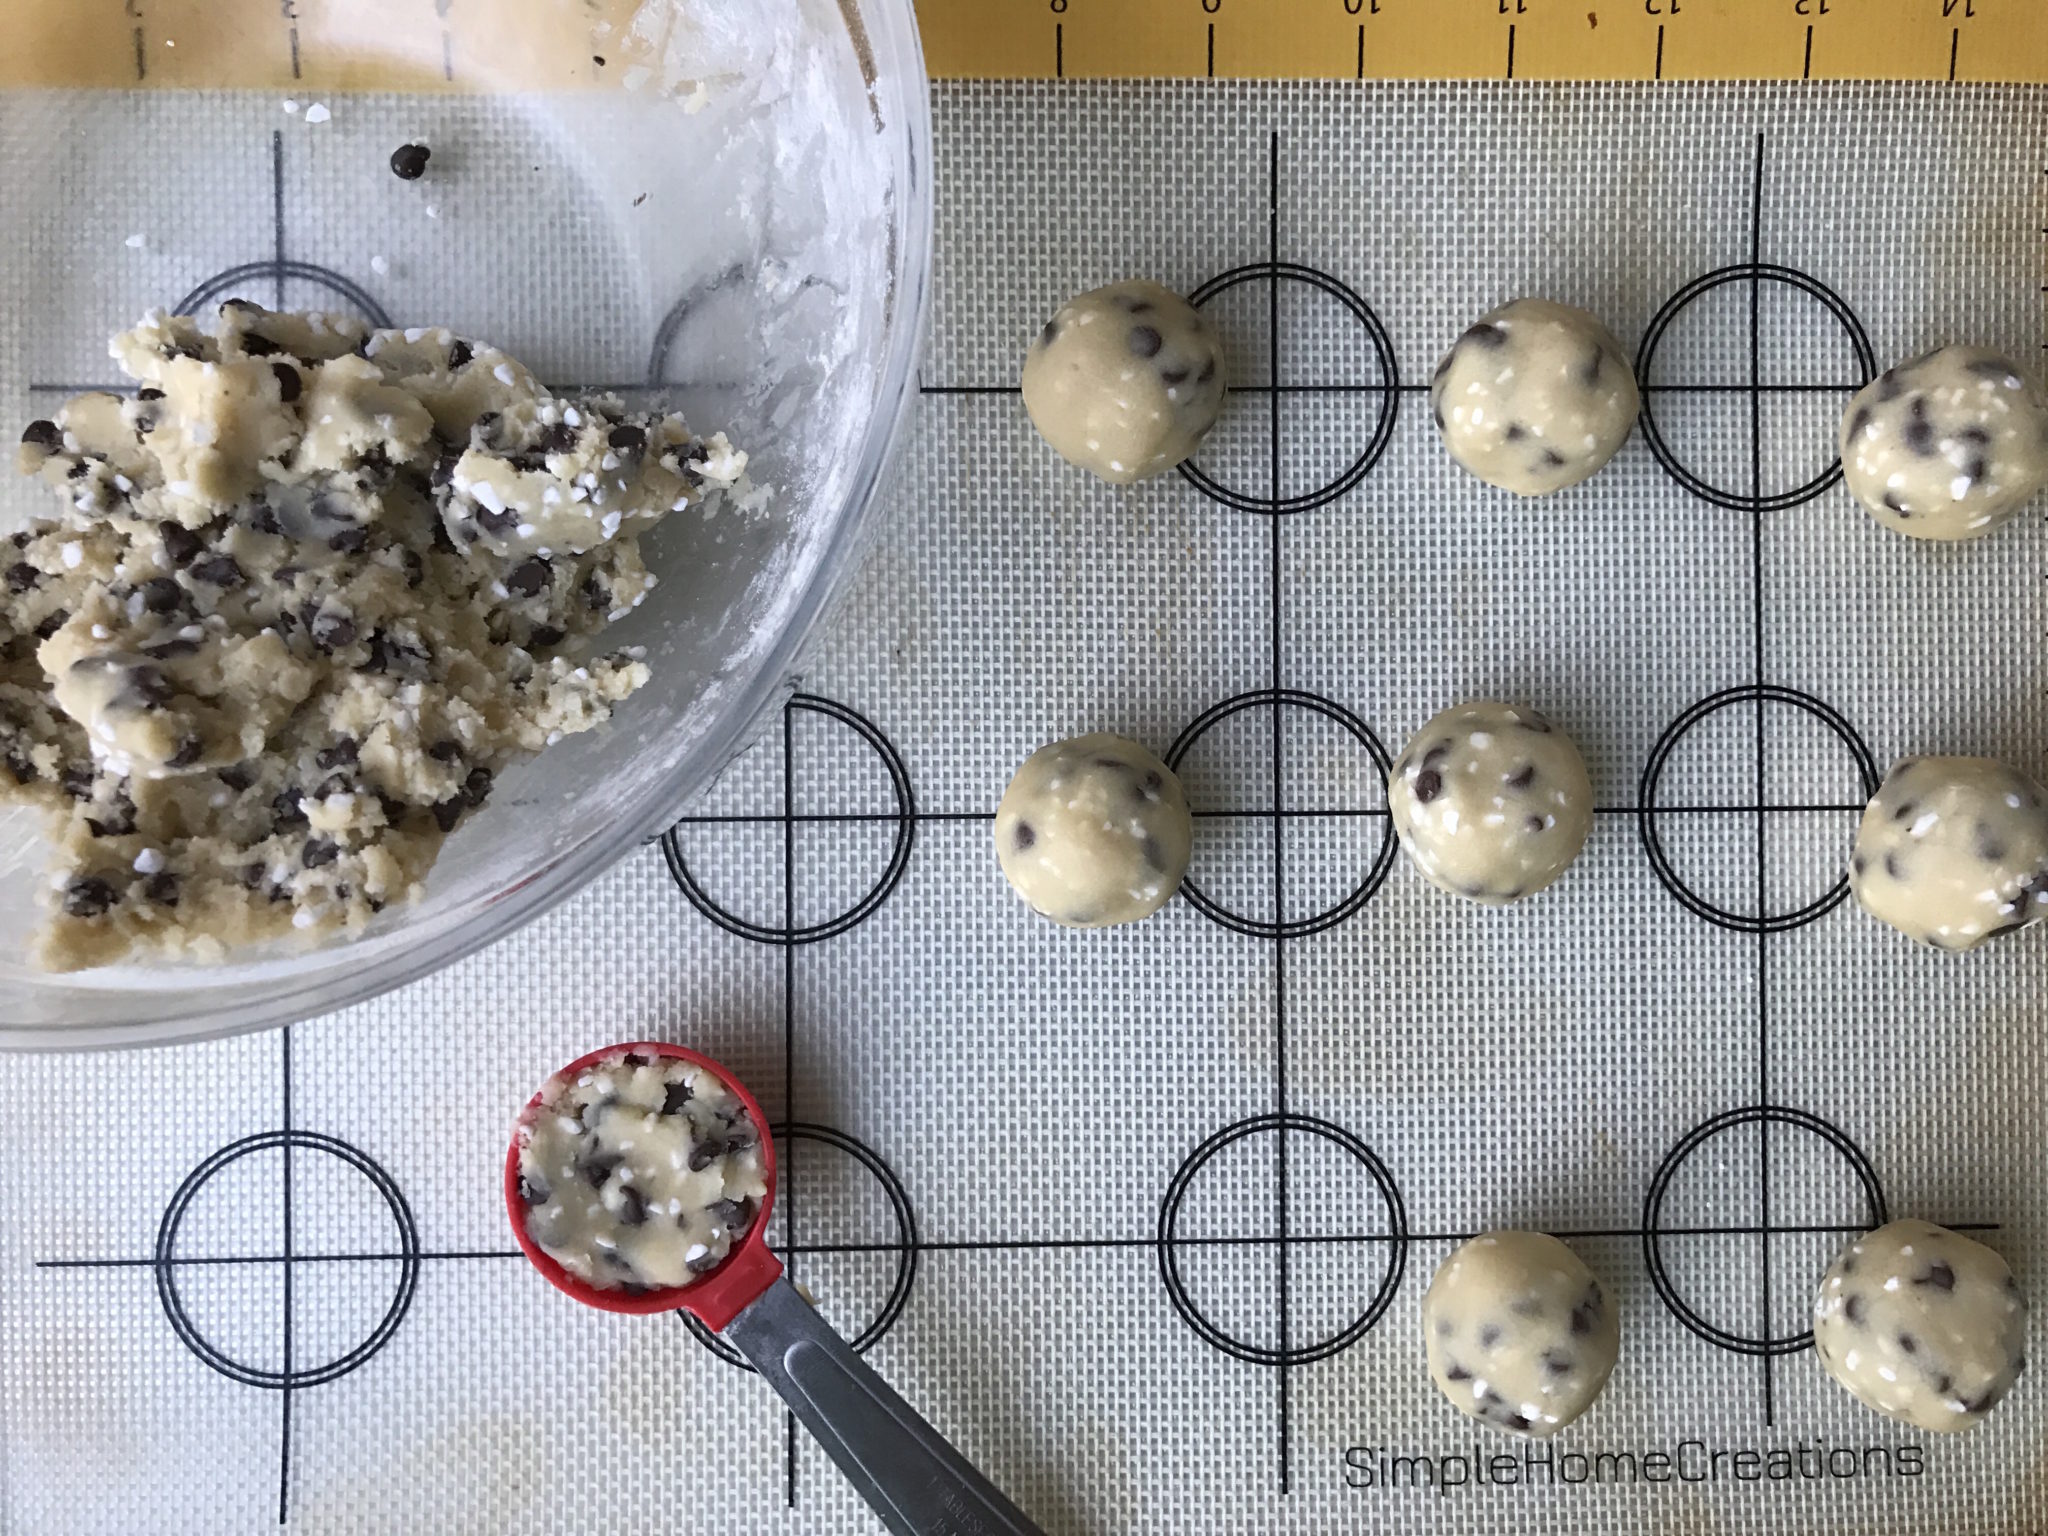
<point>1143,1218</point>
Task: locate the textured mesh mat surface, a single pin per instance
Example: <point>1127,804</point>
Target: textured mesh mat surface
<point>1144,1218</point>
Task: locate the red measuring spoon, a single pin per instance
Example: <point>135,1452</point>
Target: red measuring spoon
<point>907,1472</point>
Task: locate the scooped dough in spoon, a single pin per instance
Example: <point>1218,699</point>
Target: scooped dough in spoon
<point>1535,396</point>
<point>1947,446</point>
<point>1125,381</point>
<point>1094,832</point>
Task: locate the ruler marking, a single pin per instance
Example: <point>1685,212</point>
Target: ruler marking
<point>1659,75</point>
<point>1955,43</point>
<point>1511,50</point>
<point>1212,50</point>
<point>1059,50</point>
<point>1361,50</point>
<point>1806,69</point>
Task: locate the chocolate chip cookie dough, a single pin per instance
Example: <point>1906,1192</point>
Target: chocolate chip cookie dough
<point>1535,396</point>
<point>1953,851</point>
<point>1094,831</point>
<point>1922,1324</point>
<point>309,591</point>
<point>1125,381</point>
<point>1947,446</point>
<point>1491,801</point>
<point>641,1173</point>
<point>1519,1333</point>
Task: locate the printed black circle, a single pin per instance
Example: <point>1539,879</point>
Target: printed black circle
<point>1761,272</point>
<point>1873,1215</point>
<point>1395,1240</point>
<point>1280,926</point>
<point>904,818</point>
<point>165,1261</point>
<point>228,285</point>
<point>904,1247</point>
<point>1648,811</point>
<point>1387,386</point>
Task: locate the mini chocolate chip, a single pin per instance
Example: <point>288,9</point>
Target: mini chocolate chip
<point>350,541</point>
<point>287,807</point>
<point>1552,459</point>
<point>251,875</point>
<point>1050,333</point>
<point>43,434</point>
<point>409,161</point>
<point>1859,421</point>
<point>149,394</point>
<point>88,896</point>
<point>332,631</point>
<point>217,570</point>
<point>545,635</point>
<point>529,578</point>
<point>459,354</point>
<point>1888,385</point>
<point>448,812</point>
<point>1456,1373</point>
<point>1490,1335</point>
<point>598,1167</point>
<point>1523,778</point>
<point>496,522</point>
<point>446,751</point>
<point>289,385</point>
<point>1584,1316</point>
<point>1173,378</point>
<point>76,781</point>
<point>1516,432</point>
<point>1977,468</point>
<point>1557,1364</point>
<point>1208,371</point>
<point>259,346</point>
<point>1532,825</point>
<point>21,576</point>
<point>1893,868</point>
<point>1428,785</point>
<point>1938,1275</point>
<point>1852,1309</point>
<point>1144,341</point>
<point>1905,810</point>
<point>532,1191</point>
<point>80,470</point>
<point>160,594</point>
<point>1491,337</point>
<point>1023,835</point>
<point>734,1215</point>
<point>477,787</point>
<point>703,1264</point>
<point>319,852</point>
<point>21,768</point>
<point>703,1155</point>
<point>263,518</point>
<point>1591,372</point>
<point>51,624</point>
<point>1153,854</point>
<point>161,888</point>
<point>190,750</point>
<point>595,595</point>
<point>334,784</point>
<point>628,438</point>
<point>674,1096</point>
<point>345,751</point>
<point>632,1209</point>
<point>238,778</point>
<point>1909,1344</point>
<point>1987,846</point>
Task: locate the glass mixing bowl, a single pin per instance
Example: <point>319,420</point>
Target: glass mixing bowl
<point>720,204</point>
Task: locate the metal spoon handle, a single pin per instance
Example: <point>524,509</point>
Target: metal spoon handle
<point>909,1475</point>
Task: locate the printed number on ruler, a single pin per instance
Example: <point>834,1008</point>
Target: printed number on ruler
<point>1961,40</point>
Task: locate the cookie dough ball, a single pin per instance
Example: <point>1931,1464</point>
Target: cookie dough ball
<point>1125,381</point>
<point>1954,851</point>
<point>1094,832</point>
<point>1922,1324</point>
<point>1491,801</point>
<point>1534,397</point>
<point>1948,445</point>
<point>1518,1332</point>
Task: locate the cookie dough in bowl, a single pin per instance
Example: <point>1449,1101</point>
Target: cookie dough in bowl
<point>1491,801</point>
<point>1519,1333</point>
<point>304,597</point>
<point>638,1171</point>
<point>1535,396</point>
<point>1924,1325</point>
<point>1946,446</point>
<point>1125,381</point>
<point>1953,851</point>
<point>1094,831</point>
